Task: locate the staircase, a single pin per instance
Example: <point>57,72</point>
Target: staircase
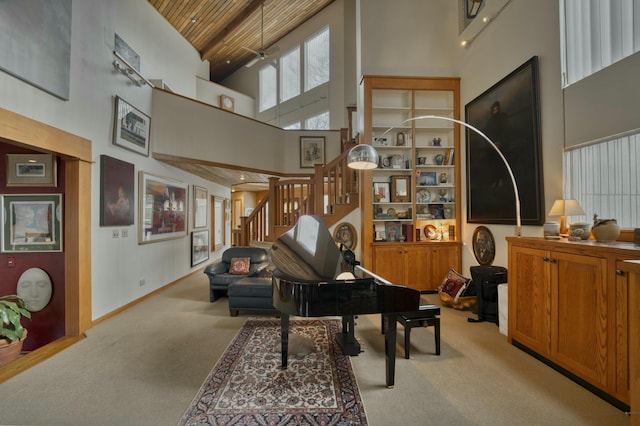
<point>331,192</point>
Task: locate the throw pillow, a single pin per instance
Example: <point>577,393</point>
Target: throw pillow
<point>454,284</point>
<point>240,265</point>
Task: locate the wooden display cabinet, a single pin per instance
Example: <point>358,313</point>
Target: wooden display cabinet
<point>419,167</point>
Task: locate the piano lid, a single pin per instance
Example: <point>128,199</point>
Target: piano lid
<point>308,251</point>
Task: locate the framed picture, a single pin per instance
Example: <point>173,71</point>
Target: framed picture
<point>345,233</point>
<point>311,151</point>
<point>484,246</point>
<point>508,113</point>
<point>131,127</point>
<point>200,197</point>
<point>117,186</point>
<point>227,102</point>
<point>31,170</point>
<point>427,179</point>
<point>393,231</point>
<point>218,222</point>
<point>381,192</point>
<point>32,223</point>
<point>199,246</point>
<point>400,187</point>
<point>162,210</point>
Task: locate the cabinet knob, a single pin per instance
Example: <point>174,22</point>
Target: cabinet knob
<point>552,260</point>
<point>545,259</point>
<point>620,272</point>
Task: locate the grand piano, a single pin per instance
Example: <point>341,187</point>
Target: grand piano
<point>314,277</point>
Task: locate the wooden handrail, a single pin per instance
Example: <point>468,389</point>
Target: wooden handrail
<point>331,193</point>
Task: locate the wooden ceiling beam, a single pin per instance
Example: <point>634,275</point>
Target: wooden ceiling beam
<point>208,50</point>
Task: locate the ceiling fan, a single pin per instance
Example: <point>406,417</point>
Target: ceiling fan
<point>262,53</point>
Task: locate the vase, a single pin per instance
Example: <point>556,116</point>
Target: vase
<point>10,351</point>
<point>605,230</point>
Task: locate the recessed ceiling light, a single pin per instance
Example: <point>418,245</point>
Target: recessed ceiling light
<point>194,20</point>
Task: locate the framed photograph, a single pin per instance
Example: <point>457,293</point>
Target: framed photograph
<point>381,192</point>
<point>508,113</point>
<point>218,222</point>
<point>311,151</point>
<point>131,127</point>
<point>393,231</point>
<point>484,246</point>
<point>427,179</point>
<point>345,233</point>
<point>32,223</point>
<point>31,170</point>
<point>400,189</point>
<point>117,186</point>
<point>162,210</point>
<point>200,197</point>
<point>199,247</point>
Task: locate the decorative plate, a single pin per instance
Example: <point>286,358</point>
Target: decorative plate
<point>431,232</point>
<point>423,195</point>
<point>484,246</point>
<point>391,211</point>
<point>346,234</point>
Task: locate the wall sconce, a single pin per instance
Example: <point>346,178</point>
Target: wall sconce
<point>473,6</point>
<point>564,208</point>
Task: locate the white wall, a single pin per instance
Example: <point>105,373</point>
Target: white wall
<point>119,264</point>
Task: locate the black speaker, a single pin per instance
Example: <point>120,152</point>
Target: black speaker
<point>486,280</point>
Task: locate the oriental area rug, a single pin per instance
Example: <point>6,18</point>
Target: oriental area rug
<point>248,387</point>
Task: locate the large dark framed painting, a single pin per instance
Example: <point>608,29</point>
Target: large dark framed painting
<point>117,185</point>
<point>508,113</point>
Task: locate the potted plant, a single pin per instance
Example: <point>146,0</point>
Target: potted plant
<point>12,333</point>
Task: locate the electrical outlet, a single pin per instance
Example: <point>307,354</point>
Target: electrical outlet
<point>115,233</point>
<point>125,233</point>
<point>142,282</point>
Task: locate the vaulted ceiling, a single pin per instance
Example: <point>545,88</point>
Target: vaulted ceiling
<point>228,33</point>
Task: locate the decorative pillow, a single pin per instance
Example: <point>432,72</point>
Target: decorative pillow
<point>240,265</point>
<point>454,284</point>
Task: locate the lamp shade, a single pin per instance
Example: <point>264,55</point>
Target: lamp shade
<point>569,207</point>
<point>362,157</point>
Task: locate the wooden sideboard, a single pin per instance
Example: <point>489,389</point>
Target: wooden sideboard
<point>569,305</point>
<point>632,269</point>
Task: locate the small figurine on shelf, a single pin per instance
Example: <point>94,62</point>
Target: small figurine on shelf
<point>443,194</point>
<point>437,141</point>
<point>444,177</point>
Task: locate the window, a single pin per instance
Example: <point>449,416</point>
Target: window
<point>290,75</point>
<point>604,178</point>
<point>316,54</point>
<point>293,126</point>
<point>268,87</point>
<point>596,34</point>
<point>318,122</point>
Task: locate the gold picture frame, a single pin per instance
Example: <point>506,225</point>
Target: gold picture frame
<point>31,170</point>
<point>400,189</point>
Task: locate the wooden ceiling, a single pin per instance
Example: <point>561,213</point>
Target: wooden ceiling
<point>221,29</point>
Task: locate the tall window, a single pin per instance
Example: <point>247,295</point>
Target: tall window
<point>596,34</point>
<point>318,122</point>
<point>290,75</point>
<point>268,87</point>
<point>317,61</point>
<point>604,178</point>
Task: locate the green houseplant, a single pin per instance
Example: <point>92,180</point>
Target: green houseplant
<point>12,333</point>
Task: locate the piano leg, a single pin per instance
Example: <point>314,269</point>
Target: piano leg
<point>390,347</point>
<point>284,338</point>
<point>347,339</point>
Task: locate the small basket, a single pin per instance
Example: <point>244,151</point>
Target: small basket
<point>463,302</point>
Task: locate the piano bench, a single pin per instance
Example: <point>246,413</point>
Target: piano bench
<point>425,316</point>
<point>251,294</point>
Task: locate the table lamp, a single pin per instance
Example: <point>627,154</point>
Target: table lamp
<point>564,208</point>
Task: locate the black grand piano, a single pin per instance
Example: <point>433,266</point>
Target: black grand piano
<point>314,277</point>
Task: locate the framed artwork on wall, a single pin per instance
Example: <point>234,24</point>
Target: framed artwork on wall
<point>200,197</point>
<point>117,186</point>
<point>32,223</point>
<point>381,192</point>
<point>31,170</point>
<point>163,208</point>
<point>508,113</point>
<point>131,127</point>
<point>311,151</point>
<point>199,246</point>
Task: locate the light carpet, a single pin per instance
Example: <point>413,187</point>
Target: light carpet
<point>248,387</point>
